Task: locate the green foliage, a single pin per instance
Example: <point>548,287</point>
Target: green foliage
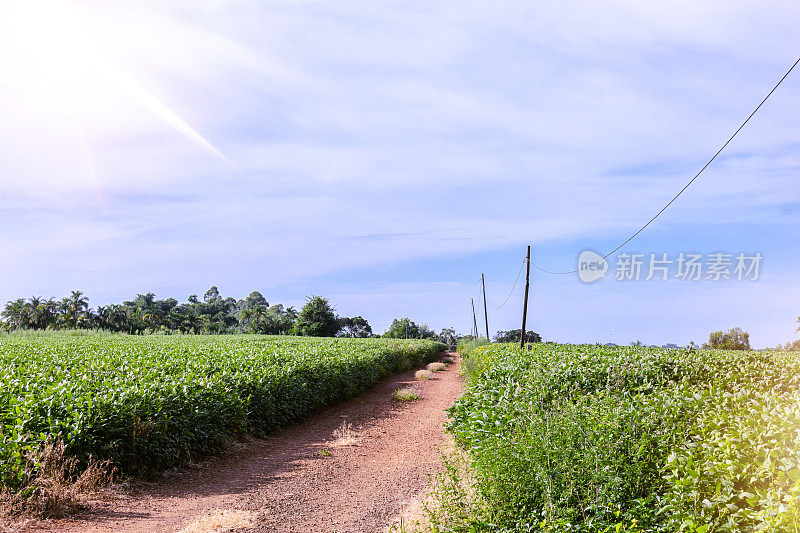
<point>594,438</point>
<point>356,327</point>
<point>151,402</point>
<point>145,314</point>
<point>317,319</point>
<point>468,344</point>
<point>733,339</point>
<point>449,337</point>
<point>513,336</point>
<point>405,328</point>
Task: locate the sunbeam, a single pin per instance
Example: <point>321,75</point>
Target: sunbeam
<point>62,59</point>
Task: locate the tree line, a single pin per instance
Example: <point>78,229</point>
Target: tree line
<point>214,314</point>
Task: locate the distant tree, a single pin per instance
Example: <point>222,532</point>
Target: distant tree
<point>211,294</point>
<point>317,319</point>
<point>405,328</point>
<point>733,339</point>
<point>637,342</point>
<point>512,335</point>
<point>282,320</point>
<point>449,337</point>
<point>246,310</point>
<point>41,313</point>
<point>17,314</point>
<point>256,298</point>
<point>73,310</point>
<point>356,327</point>
<point>791,346</point>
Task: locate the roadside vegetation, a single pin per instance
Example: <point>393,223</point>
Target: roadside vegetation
<point>147,403</point>
<point>595,438</point>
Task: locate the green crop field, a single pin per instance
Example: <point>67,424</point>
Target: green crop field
<point>593,438</point>
<point>151,402</point>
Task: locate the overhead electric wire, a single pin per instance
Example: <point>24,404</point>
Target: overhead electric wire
<point>512,288</point>
<point>629,239</point>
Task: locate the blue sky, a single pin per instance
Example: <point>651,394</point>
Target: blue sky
<point>384,155</point>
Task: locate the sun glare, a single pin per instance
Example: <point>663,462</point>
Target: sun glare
<point>58,56</point>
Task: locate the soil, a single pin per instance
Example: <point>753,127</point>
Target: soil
<point>351,467</point>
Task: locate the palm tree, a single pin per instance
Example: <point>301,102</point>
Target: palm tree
<point>16,314</point>
<point>41,312</point>
<point>77,305</point>
<point>255,318</point>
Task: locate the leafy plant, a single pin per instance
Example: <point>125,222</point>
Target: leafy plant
<point>595,438</point>
<point>149,403</point>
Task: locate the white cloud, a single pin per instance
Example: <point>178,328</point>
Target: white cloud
<point>372,134</point>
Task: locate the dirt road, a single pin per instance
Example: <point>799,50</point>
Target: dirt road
<point>344,469</point>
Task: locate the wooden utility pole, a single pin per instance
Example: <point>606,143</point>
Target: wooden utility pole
<point>474,319</point>
<point>485,313</point>
<point>525,305</point>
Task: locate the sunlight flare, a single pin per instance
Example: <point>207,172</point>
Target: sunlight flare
<point>60,54</point>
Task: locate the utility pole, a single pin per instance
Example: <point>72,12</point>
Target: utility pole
<point>525,305</point>
<point>485,313</point>
<point>474,319</point>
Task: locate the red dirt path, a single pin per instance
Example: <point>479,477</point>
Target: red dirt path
<point>286,482</point>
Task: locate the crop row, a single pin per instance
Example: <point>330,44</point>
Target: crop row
<point>592,438</point>
<point>150,403</point>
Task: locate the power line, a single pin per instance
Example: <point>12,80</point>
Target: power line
<point>512,288</point>
<point>641,229</point>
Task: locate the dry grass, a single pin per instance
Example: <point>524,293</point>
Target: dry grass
<point>448,360</point>
<point>344,435</point>
<point>53,489</point>
<point>406,395</point>
<point>436,367</point>
<point>219,521</point>
<point>423,374</point>
<point>412,517</point>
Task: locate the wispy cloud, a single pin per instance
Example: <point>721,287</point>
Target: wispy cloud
<point>367,135</point>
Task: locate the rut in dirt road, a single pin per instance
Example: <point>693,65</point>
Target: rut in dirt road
<point>344,469</point>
